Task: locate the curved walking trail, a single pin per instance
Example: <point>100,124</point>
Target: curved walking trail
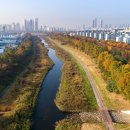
<point>105,114</point>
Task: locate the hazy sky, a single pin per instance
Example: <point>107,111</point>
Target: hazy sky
<point>65,12</point>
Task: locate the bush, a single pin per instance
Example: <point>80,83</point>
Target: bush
<point>111,86</point>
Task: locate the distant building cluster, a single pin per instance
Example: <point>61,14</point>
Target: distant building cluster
<point>118,35</point>
<point>10,27</point>
<point>101,31</point>
<point>28,26</point>
<point>54,29</point>
<point>31,25</point>
<point>99,24</point>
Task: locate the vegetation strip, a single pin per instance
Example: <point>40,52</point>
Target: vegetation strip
<point>74,86</point>
<point>75,93</point>
<point>11,62</point>
<point>113,59</point>
<point>21,98</point>
<point>83,45</point>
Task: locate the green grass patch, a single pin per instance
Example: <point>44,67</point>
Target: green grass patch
<point>92,103</point>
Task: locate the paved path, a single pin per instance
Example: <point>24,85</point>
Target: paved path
<point>105,114</point>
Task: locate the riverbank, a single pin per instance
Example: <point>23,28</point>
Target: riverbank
<point>75,93</point>
<point>18,103</point>
<point>110,99</point>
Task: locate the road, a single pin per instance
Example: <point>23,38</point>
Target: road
<point>103,109</point>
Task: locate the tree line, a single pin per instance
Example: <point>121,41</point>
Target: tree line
<point>112,57</point>
<point>13,61</point>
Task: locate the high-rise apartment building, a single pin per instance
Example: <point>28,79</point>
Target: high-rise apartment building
<point>31,25</point>
<point>26,25</point>
<point>101,23</point>
<point>36,24</point>
<point>95,23</point>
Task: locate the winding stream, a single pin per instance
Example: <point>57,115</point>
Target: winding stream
<point>46,112</point>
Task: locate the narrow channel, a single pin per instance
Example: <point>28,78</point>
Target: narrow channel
<point>46,113</point>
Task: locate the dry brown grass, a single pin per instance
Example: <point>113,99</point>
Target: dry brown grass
<point>75,93</point>
<point>122,126</point>
<point>88,126</point>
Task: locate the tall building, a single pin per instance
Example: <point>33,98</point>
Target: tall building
<point>14,26</point>
<point>26,25</point>
<point>36,24</point>
<point>84,27</point>
<point>4,28</point>
<point>18,28</point>
<point>31,25</point>
<point>101,23</point>
<point>95,23</point>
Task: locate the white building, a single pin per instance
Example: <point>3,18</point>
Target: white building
<point>118,39</point>
<point>86,34</point>
<point>100,36</point>
<point>125,39</point>
<point>94,35</point>
<point>90,34</point>
<point>106,37</point>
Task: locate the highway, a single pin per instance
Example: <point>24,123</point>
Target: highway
<point>103,109</point>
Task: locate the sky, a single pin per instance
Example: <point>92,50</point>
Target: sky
<point>67,13</point>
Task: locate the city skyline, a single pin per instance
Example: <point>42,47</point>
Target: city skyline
<point>65,13</point>
<point>33,25</point>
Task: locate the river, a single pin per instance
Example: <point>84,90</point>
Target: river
<point>46,113</point>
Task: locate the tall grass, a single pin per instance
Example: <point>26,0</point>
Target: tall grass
<point>75,93</point>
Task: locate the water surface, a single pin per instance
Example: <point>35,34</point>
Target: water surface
<point>46,112</point>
